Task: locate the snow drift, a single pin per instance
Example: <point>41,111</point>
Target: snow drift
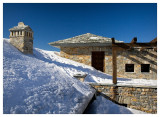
<point>104,106</point>
<point>35,84</point>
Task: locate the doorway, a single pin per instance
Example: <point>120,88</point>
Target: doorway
<point>98,60</point>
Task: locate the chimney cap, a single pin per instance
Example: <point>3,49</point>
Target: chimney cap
<point>21,24</point>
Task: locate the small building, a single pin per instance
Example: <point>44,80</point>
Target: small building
<point>138,60</point>
<point>21,37</point>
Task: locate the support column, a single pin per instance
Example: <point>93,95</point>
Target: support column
<point>11,33</point>
<point>16,33</point>
<point>114,64</point>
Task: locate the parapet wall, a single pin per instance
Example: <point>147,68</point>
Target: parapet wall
<point>137,97</point>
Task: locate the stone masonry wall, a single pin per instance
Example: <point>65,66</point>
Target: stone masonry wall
<point>23,44</point>
<point>136,57</point>
<point>137,97</point>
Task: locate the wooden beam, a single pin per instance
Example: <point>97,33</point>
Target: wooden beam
<point>128,45</point>
<point>114,65</point>
<point>113,40</point>
<point>114,62</point>
<point>154,40</point>
<point>134,40</point>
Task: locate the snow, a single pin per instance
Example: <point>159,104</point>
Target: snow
<point>44,82</point>
<point>93,37</point>
<point>93,76</point>
<point>104,106</point>
<point>34,84</point>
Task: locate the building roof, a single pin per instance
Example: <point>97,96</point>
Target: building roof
<point>87,39</point>
<point>21,26</point>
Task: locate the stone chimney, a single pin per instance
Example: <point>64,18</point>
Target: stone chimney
<point>21,37</point>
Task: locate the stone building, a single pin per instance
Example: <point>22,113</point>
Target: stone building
<point>97,51</point>
<point>21,37</point>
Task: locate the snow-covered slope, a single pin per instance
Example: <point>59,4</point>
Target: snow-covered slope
<point>93,76</point>
<point>36,84</point>
<point>104,106</point>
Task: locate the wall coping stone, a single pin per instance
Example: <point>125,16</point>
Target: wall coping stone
<point>120,85</point>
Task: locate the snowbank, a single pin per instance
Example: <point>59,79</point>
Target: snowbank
<point>104,106</point>
<point>36,84</point>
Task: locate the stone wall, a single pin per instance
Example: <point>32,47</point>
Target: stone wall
<point>22,43</point>
<point>137,97</point>
<point>136,57</point>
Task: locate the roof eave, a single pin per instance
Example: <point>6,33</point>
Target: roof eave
<point>25,28</point>
<point>79,44</point>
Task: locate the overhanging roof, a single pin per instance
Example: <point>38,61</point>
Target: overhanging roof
<point>87,39</point>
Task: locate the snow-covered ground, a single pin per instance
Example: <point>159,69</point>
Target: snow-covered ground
<point>44,82</point>
<point>104,106</point>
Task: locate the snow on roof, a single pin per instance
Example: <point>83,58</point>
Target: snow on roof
<point>87,39</point>
<point>32,84</point>
<point>93,38</point>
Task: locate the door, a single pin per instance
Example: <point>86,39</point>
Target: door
<point>98,60</point>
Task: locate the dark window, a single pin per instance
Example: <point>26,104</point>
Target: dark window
<point>129,67</point>
<point>145,67</point>
<point>20,32</point>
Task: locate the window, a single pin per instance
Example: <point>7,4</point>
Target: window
<point>129,67</point>
<point>145,67</point>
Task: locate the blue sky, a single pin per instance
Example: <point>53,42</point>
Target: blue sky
<point>53,21</point>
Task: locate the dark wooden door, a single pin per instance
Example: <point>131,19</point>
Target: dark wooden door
<point>98,60</point>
